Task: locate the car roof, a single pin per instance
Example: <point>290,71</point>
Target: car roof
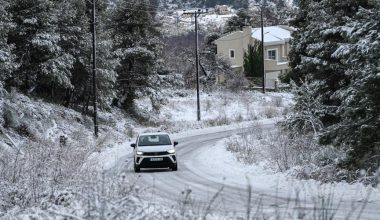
<point>156,133</point>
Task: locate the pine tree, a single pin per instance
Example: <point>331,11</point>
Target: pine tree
<point>300,41</point>
<point>253,60</point>
<point>6,56</point>
<point>43,64</point>
<point>336,47</point>
<point>315,42</point>
<point>136,46</point>
<point>359,129</point>
<point>236,23</point>
<point>237,4</point>
<point>75,29</point>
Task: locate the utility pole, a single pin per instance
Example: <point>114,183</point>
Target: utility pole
<point>94,67</point>
<point>197,66</point>
<point>196,13</point>
<point>262,48</point>
<point>262,5</point>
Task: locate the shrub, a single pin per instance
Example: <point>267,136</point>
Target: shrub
<point>270,112</point>
<point>278,101</point>
<point>218,121</point>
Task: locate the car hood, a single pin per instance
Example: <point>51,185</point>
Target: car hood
<point>159,148</point>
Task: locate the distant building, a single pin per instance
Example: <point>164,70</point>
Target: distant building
<point>222,10</point>
<point>276,49</point>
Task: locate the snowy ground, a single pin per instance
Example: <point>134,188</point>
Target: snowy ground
<point>225,167</point>
<point>217,108</point>
<point>222,112</point>
<point>35,127</point>
<point>206,166</point>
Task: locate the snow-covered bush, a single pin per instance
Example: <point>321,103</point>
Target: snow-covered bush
<point>283,152</point>
<point>46,152</point>
<point>306,113</point>
<point>286,152</point>
<point>218,121</point>
<point>270,112</point>
<point>246,145</point>
<point>39,167</point>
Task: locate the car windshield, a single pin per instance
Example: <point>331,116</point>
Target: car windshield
<point>154,140</point>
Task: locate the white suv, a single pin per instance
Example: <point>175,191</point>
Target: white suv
<point>154,150</point>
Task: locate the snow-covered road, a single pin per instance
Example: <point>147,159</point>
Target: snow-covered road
<point>206,182</point>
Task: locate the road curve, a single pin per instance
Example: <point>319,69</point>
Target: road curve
<point>209,195</point>
<point>172,186</point>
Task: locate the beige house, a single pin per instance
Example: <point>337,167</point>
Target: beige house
<point>276,49</point>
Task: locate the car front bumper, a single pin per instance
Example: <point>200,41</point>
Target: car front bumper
<point>155,161</point>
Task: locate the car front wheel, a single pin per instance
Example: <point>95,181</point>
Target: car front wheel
<point>137,168</point>
<point>174,167</point>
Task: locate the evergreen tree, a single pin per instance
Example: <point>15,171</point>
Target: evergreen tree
<point>314,44</point>
<point>81,28</point>
<point>336,47</point>
<point>43,64</point>
<point>243,18</point>
<point>136,46</point>
<point>359,129</point>
<point>74,27</point>
<point>253,60</point>
<point>52,42</point>
<point>6,57</point>
<point>238,4</point>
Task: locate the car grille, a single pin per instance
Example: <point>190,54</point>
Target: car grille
<point>155,153</point>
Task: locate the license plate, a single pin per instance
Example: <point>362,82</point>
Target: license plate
<point>156,159</point>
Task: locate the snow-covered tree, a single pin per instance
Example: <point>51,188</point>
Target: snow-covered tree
<point>315,42</point>
<point>136,43</point>
<point>243,18</point>
<point>336,47</point>
<point>359,127</point>
<point>43,64</point>
<point>6,57</point>
<point>76,23</point>
<point>52,42</point>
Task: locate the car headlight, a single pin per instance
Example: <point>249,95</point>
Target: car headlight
<point>172,151</point>
<point>139,153</point>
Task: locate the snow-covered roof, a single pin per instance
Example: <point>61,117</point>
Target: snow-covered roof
<point>272,35</point>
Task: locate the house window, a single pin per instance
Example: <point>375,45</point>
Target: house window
<point>232,54</point>
<point>272,54</point>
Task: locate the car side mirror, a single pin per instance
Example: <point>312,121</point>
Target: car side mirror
<point>133,145</point>
<point>175,143</point>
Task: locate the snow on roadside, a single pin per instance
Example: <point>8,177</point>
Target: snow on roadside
<point>220,111</point>
<point>109,157</point>
<point>224,166</point>
<point>217,108</point>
